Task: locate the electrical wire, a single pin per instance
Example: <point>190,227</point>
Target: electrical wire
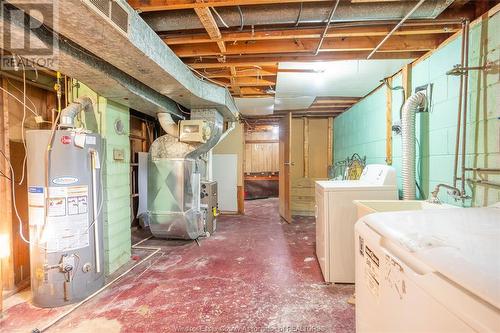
<point>300,14</point>
<point>17,99</point>
<point>181,110</point>
<point>13,194</point>
<point>29,99</point>
<point>241,18</point>
<point>219,17</point>
<point>4,175</point>
<point>23,139</point>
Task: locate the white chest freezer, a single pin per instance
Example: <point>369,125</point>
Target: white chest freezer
<point>428,271</point>
<point>336,215</point>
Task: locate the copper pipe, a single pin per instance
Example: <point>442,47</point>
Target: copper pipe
<point>465,97</point>
<point>492,170</point>
<point>457,138</point>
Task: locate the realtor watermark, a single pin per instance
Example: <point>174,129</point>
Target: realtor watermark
<point>27,32</point>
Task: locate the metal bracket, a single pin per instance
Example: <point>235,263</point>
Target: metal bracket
<point>427,89</point>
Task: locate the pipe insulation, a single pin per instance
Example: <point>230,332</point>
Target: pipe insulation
<point>69,113</point>
<point>168,124</point>
<point>410,107</point>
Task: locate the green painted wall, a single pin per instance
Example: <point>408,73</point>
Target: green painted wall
<point>362,128</point>
<point>116,177</point>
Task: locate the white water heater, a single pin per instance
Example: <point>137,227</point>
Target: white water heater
<point>64,198</point>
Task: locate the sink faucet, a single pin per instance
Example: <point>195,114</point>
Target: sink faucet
<point>453,191</point>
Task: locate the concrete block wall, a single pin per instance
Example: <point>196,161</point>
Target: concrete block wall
<point>362,129</point>
<point>116,176</point>
<point>436,130</point>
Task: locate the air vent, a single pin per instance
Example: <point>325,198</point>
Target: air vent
<point>119,16</point>
<point>112,10</point>
<point>102,5</point>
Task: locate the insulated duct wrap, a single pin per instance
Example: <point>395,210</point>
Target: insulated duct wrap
<point>410,107</point>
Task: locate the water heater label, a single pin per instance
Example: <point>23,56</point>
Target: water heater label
<point>36,205</point>
<point>67,216</point>
<point>65,180</point>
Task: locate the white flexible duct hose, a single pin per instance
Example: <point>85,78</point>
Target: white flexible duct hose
<point>408,137</point>
<point>168,124</point>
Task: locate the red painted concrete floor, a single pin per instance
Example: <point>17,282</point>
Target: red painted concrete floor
<point>256,274</point>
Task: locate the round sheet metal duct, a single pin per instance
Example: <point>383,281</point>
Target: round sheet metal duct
<point>288,13</point>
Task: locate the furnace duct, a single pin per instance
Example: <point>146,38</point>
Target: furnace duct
<point>168,124</point>
<point>175,170</point>
<point>410,107</point>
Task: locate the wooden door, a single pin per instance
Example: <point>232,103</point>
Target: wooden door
<point>285,136</point>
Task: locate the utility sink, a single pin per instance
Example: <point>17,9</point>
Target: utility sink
<point>365,207</point>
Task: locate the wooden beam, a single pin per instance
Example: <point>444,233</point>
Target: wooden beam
<point>234,84</point>
<point>336,100</point>
<point>311,33</point>
<point>406,77</point>
<point>388,123</point>
<point>350,44</point>
<point>252,82</point>
<point>158,5</point>
<point>254,92</point>
<point>306,147</point>
<point>244,72</point>
<point>330,141</point>
<point>273,59</point>
<point>7,277</point>
<point>208,22</point>
<point>333,106</point>
<point>326,111</point>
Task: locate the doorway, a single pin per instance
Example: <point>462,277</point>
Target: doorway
<point>261,166</point>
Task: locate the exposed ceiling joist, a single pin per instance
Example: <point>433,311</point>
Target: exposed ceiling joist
<point>234,84</point>
<point>158,5</point>
<point>208,22</point>
<point>273,59</point>
<point>394,44</point>
<point>305,33</point>
<point>243,72</point>
<point>335,100</point>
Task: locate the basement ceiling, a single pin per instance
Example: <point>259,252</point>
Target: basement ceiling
<point>353,78</point>
<point>243,44</point>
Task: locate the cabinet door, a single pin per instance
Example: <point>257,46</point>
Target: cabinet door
<point>321,215</point>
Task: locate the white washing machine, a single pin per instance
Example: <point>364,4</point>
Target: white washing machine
<point>428,271</point>
<point>336,215</point>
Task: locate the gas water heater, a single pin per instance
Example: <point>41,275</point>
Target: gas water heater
<point>65,200</point>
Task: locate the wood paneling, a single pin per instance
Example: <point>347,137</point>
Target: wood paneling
<point>310,152</point>
<point>7,278</point>
<point>261,150</point>
<point>16,268</point>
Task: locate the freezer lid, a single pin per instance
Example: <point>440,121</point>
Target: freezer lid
<point>461,244</point>
<point>352,185</point>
